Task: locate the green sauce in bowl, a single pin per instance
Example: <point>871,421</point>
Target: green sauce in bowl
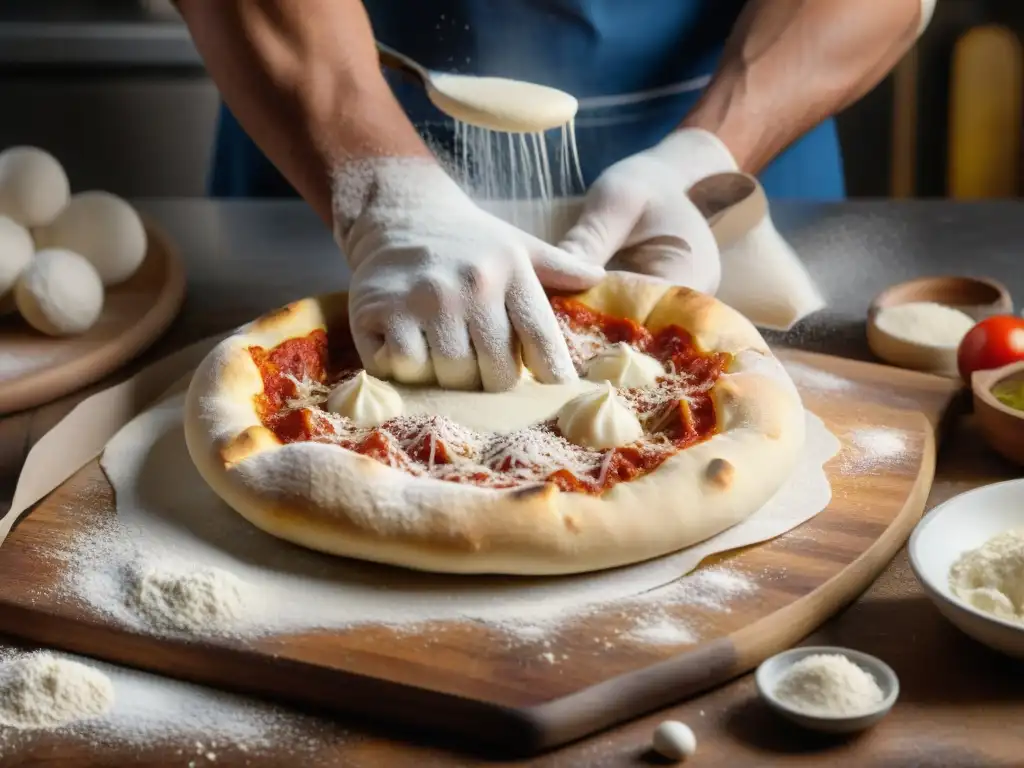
<point>1010,393</point>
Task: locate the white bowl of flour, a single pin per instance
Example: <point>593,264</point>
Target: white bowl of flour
<point>968,554</point>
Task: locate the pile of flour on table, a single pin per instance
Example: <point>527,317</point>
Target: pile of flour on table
<point>112,707</point>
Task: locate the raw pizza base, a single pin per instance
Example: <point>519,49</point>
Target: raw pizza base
<point>333,500</point>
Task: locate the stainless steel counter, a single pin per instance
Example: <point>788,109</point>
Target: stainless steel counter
<point>244,258</point>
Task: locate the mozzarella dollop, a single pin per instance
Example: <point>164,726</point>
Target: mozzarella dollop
<point>599,420</point>
<point>367,401</point>
<point>623,366</point>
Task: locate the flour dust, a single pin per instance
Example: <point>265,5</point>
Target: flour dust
<point>124,711</point>
<point>871,450</point>
<point>517,166</point>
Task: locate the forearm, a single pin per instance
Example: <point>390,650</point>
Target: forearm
<point>302,78</point>
<point>789,64</point>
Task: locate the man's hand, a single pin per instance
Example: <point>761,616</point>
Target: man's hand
<point>443,291</point>
<point>637,215</point>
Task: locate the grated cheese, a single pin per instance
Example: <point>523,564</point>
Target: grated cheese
<point>605,466</point>
<point>583,343</point>
<point>524,457</point>
<point>308,393</point>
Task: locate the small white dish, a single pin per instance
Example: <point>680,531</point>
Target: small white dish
<point>771,670</point>
<point>960,524</point>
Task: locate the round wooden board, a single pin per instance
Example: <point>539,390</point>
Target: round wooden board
<point>532,694</point>
<point>36,369</point>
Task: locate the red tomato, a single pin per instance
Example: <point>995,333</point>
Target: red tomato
<point>994,342</point>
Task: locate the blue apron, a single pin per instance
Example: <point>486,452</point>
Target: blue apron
<point>636,67</point>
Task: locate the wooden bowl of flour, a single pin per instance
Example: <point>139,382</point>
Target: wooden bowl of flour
<point>919,324</point>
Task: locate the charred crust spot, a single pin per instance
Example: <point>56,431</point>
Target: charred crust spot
<point>720,473</point>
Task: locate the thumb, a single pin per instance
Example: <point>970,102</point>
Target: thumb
<point>562,271</point>
<point>604,225</point>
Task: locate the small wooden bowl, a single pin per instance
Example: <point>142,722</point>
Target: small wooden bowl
<point>977,297</point>
<point>1002,426</point>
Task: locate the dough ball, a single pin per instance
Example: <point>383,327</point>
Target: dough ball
<point>674,740</point>
<point>60,293</point>
<point>16,249</point>
<point>33,186</point>
<point>103,228</point>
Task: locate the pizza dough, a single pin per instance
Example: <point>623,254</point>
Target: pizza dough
<point>624,366</point>
<point>59,294</point>
<point>104,229</point>
<point>599,420</point>
<point>33,186</point>
<point>338,500</point>
<point>16,249</point>
<point>365,400</point>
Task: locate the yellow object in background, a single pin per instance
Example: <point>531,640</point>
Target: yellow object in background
<point>985,115</point>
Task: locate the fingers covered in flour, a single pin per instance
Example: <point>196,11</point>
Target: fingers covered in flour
<point>451,351</point>
<point>561,271</point>
<point>407,350</point>
<point>544,349</point>
<point>455,292</point>
<point>372,351</point>
<point>497,350</point>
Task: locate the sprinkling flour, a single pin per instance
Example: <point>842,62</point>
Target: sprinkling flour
<point>828,685</point>
<point>872,449</point>
<point>663,631</point>
<point>649,617</point>
<point>42,690</point>
<point>117,708</point>
<point>808,377</point>
<point>204,600</point>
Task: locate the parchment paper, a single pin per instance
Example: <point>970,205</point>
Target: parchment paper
<point>169,512</point>
<point>81,435</point>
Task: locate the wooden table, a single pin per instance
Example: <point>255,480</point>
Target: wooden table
<point>960,704</point>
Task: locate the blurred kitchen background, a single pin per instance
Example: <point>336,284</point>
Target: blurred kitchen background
<point>945,123</point>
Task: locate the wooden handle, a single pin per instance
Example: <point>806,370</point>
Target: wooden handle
<point>733,203</point>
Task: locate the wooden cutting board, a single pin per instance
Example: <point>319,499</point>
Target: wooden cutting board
<point>463,678</point>
<point>35,368</point>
